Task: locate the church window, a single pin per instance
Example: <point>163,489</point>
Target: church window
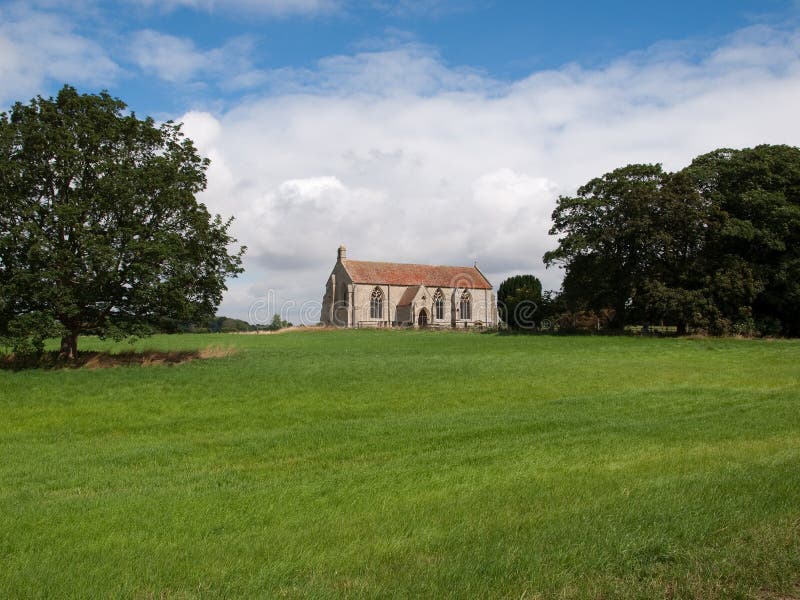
<point>376,304</point>
<point>465,305</point>
<point>438,305</point>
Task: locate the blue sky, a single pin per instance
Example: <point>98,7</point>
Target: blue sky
<point>503,40</point>
<point>429,131</point>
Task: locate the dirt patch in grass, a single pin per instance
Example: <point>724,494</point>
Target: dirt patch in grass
<point>792,595</point>
<point>105,360</point>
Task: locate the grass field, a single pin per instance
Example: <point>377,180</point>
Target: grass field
<point>375,463</point>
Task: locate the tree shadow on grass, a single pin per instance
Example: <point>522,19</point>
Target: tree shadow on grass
<point>105,360</point>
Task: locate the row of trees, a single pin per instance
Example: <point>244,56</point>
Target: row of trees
<point>715,246</point>
<point>221,324</point>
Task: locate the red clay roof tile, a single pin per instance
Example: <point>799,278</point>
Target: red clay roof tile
<point>409,295</point>
<point>362,271</point>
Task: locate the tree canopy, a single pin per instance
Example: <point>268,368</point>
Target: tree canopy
<point>715,246</point>
<point>100,228</point>
<point>518,300</point>
<point>608,237</point>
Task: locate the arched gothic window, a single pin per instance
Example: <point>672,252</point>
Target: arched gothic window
<point>376,304</point>
<point>438,305</point>
<point>465,306</point>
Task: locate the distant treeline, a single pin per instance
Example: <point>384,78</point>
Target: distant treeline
<point>220,324</point>
<point>714,247</point>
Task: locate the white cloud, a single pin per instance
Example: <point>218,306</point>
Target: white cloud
<point>265,7</point>
<point>417,8</point>
<point>280,8</point>
<point>169,57</point>
<point>206,130</point>
<point>410,69</point>
<point>402,158</point>
<point>38,48</point>
<point>178,60</point>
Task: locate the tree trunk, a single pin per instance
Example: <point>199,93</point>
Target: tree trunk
<point>69,346</point>
<point>681,328</point>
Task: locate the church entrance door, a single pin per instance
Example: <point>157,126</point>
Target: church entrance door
<point>422,320</point>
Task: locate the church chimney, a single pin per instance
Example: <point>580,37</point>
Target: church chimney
<point>342,253</point>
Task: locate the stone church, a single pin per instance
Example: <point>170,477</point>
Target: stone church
<point>380,294</point>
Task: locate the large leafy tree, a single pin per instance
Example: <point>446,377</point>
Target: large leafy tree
<point>519,301</point>
<point>100,229</point>
<point>754,253</point>
<point>606,241</point>
<point>714,246</point>
<point>675,285</point>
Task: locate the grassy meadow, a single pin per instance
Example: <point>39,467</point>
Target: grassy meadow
<point>389,463</point>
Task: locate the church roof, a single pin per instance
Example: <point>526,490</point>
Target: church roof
<point>362,271</point>
<point>409,295</point>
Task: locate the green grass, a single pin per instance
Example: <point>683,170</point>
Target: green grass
<point>374,463</point>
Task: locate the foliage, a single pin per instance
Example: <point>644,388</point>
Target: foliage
<point>518,301</point>
<point>758,240</point>
<point>278,323</point>
<point>607,238</point>
<point>714,247</point>
<point>551,307</point>
<point>226,325</point>
<point>674,289</point>
<point>412,464</point>
<point>100,231</point>
<point>216,324</point>
<point>25,333</point>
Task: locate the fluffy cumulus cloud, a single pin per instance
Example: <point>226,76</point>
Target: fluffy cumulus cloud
<point>36,47</point>
<point>402,158</point>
